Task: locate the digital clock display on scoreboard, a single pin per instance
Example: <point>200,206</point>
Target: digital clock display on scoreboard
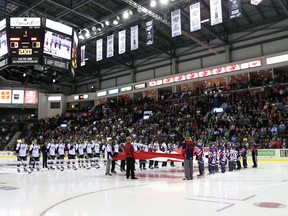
<point>25,38</point>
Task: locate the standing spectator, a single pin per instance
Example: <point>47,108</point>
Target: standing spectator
<point>130,160</point>
<point>44,154</point>
<point>254,154</point>
<point>188,152</point>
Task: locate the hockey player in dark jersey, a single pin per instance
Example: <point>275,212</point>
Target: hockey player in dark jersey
<point>200,158</point>
<point>211,159</point>
<point>222,157</point>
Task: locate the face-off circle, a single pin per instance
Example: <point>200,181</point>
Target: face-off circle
<point>269,205</point>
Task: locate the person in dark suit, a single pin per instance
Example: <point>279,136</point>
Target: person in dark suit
<point>44,154</point>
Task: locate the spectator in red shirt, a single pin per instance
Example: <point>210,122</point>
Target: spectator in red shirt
<point>130,159</point>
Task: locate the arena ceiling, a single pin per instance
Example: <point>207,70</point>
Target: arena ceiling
<point>91,15</point>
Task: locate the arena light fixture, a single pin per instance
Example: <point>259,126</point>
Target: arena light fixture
<point>164,2</point>
<point>130,13</point>
<point>81,37</point>
<point>107,23</point>
<point>87,33</point>
<point>153,3</point>
<point>125,15</point>
<point>115,22</point>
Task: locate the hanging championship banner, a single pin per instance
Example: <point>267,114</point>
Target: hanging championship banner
<point>256,2</point>
<point>122,41</point>
<point>234,8</point>
<point>216,12</point>
<point>195,17</point>
<point>99,50</point>
<point>110,46</point>
<point>134,37</point>
<point>176,23</point>
<point>83,55</point>
<point>149,33</point>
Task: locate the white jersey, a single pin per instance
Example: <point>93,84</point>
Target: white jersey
<point>136,146</point>
<point>116,148</point>
<point>71,149</point>
<point>51,149</point>
<point>108,152</point>
<point>22,149</point>
<point>97,148</point>
<point>89,148</point>
<point>61,149</point>
<point>80,149</point>
<point>34,150</point>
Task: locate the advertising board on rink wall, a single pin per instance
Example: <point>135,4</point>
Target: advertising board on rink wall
<point>262,153</point>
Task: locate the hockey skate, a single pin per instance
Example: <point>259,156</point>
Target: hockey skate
<point>27,170</point>
<point>74,167</point>
<point>18,170</point>
<point>62,168</point>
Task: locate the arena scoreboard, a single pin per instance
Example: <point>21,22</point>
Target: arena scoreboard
<point>25,47</point>
<point>32,41</point>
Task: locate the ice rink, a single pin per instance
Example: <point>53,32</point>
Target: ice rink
<point>160,192</point>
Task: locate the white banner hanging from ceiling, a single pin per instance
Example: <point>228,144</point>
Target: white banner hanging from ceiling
<point>122,41</point>
<point>176,23</point>
<point>99,50</point>
<point>149,33</point>
<point>195,17</point>
<point>134,37</point>
<point>234,8</point>
<point>83,55</point>
<point>216,12</point>
<point>256,2</point>
<point>110,46</point>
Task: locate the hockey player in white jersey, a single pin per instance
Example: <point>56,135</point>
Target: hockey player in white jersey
<point>21,153</point>
<point>80,154</point>
<point>60,148</point>
<point>51,154</point>
<point>71,155</point>
<point>89,154</point>
<point>34,151</point>
<point>96,154</point>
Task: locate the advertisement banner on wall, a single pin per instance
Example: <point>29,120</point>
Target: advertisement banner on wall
<point>5,96</point>
<point>195,17</point>
<point>122,41</point>
<point>30,97</point>
<point>110,46</point>
<point>284,153</point>
<point>176,23</point>
<point>216,12</point>
<point>99,50</point>
<point>134,37</point>
<point>18,97</point>
<point>235,8</point>
<point>265,153</point>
